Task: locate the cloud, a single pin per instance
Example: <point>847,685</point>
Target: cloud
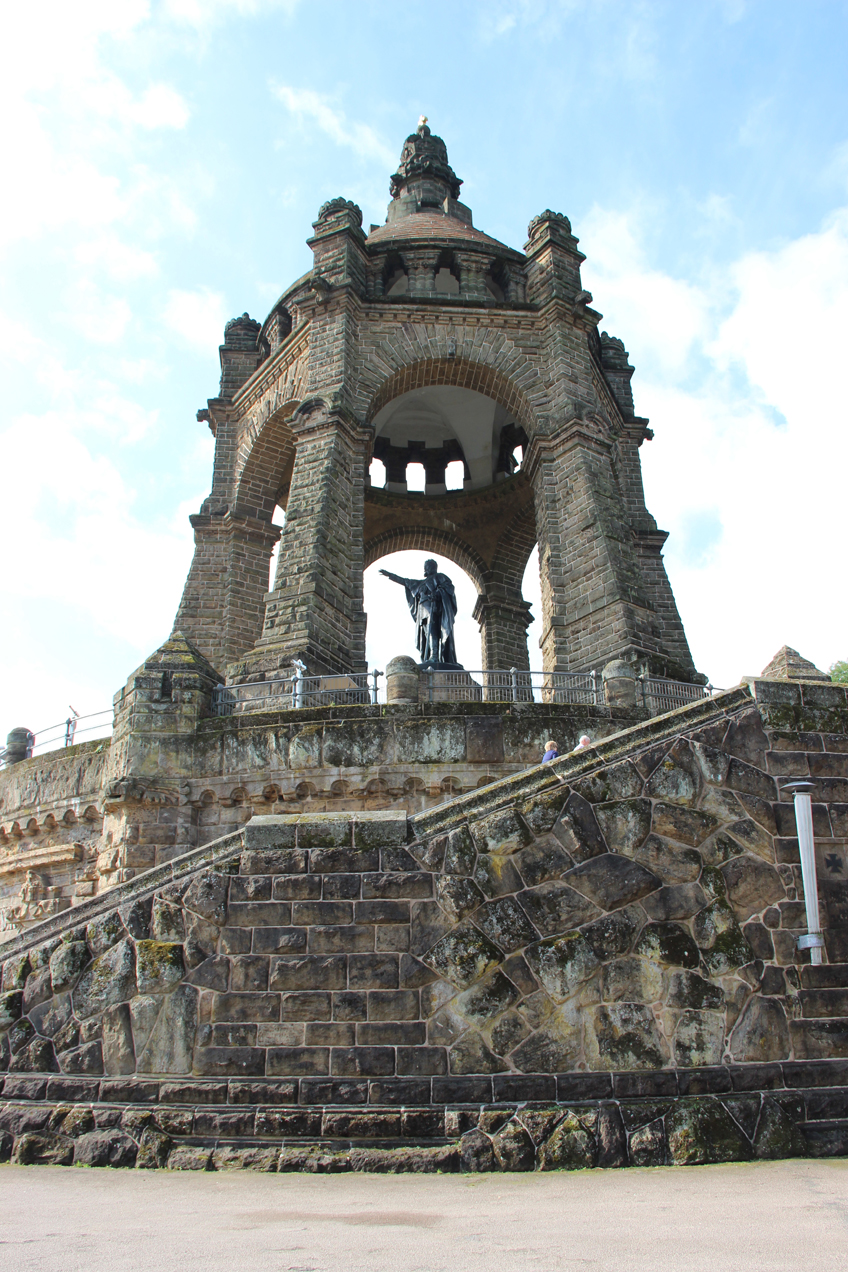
<point>311,107</point>
<point>660,316</point>
<point>204,13</point>
<point>741,380</point>
<point>197,317</point>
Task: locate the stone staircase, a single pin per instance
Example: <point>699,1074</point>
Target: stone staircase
<point>822,1032</point>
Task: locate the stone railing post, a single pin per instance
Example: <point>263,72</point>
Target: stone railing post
<point>619,684</point>
<point>402,680</point>
<point>19,744</point>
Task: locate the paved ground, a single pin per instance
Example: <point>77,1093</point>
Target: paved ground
<point>772,1215</point>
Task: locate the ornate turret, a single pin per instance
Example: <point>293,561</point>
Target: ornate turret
<point>424,180</point>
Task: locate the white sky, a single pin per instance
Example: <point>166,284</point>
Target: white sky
<point>164,162</point>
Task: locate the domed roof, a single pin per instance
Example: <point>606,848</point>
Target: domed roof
<point>425,200</point>
<point>431,224</point>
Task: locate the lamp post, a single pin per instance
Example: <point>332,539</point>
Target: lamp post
<point>813,940</point>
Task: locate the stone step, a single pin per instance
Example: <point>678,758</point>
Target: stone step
<point>826,1138</point>
<point>825,976</point>
<point>819,1039</point>
<point>830,1003</point>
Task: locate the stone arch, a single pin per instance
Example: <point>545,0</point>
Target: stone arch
<point>267,460</point>
<point>514,547</point>
<point>428,539</point>
<point>457,372</point>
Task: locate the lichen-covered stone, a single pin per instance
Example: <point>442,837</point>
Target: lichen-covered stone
<point>31,1149</point>
<point>118,1052</point>
<point>555,1048</point>
<point>542,860</point>
<point>38,988</point>
<point>159,965</point>
<point>51,1017</point>
<point>761,1032</point>
<point>676,779</point>
<point>647,1145</point>
<point>685,825</point>
<point>476,1153</point>
<point>611,881</point>
<point>625,824</point>
<point>613,782</point>
<point>487,999</point>
<point>698,1038</point>
<point>458,896</point>
<point>207,896</point>
<point>171,1042</point>
<point>108,980</point>
<point>471,1055</point>
<point>104,932</point>
<point>668,943</point>
<point>562,963</point>
<point>611,1138</point>
<point>556,907</point>
<point>624,1036</point>
<point>105,1148</point>
<point>514,1148</point>
<point>167,923</point>
<point>463,956</point>
<point>752,885</point>
<point>67,964</point>
<point>671,863</point>
<point>632,979</point>
<point>613,934</point>
<point>509,1031</point>
<point>569,1147</point>
<point>501,833</point>
<point>505,923</point>
<point>777,1135</point>
<point>677,901</point>
<point>460,853</point>
<point>578,830</point>
<point>496,876</point>
<point>15,971</point>
<point>153,1149</point>
<point>11,1007</point>
<point>701,1132</point>
<point>688,989</point>
<point>722,943</point>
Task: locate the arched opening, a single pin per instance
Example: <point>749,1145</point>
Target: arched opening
<point>441,425</point>
<point>390,629</point>
<point>278,519</point>
<point>378,473</point>
<point>446,279</point>
<point>531,590</point>
<point>395,278</point>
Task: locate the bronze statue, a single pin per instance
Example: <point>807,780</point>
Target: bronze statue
<point>432,604</point>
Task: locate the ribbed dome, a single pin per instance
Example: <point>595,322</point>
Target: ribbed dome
<point>432,225</point>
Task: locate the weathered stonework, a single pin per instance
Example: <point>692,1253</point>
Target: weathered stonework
<point>592,962</point>
<point>428,305</point>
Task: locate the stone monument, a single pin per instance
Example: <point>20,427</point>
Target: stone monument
<point>432,604</point>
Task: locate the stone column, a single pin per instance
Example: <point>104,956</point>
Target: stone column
<point>19,745</point>
<point>619,680</point>
<point>315,612</point>
<point>473,269</point>
<point>422,272</point>
<point>402,680</point>
<point>593,600</point>
<point>504,617</point>
<point>223,603</point>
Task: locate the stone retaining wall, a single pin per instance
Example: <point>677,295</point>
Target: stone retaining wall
<point>621,923</point>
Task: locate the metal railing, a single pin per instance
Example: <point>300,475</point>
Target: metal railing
<point>658,696</point>
<point>67,732</point>
<point>295,691</point>
<point>580,687</point>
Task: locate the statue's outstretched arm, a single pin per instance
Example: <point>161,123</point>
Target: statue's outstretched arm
<point>396,578</point>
